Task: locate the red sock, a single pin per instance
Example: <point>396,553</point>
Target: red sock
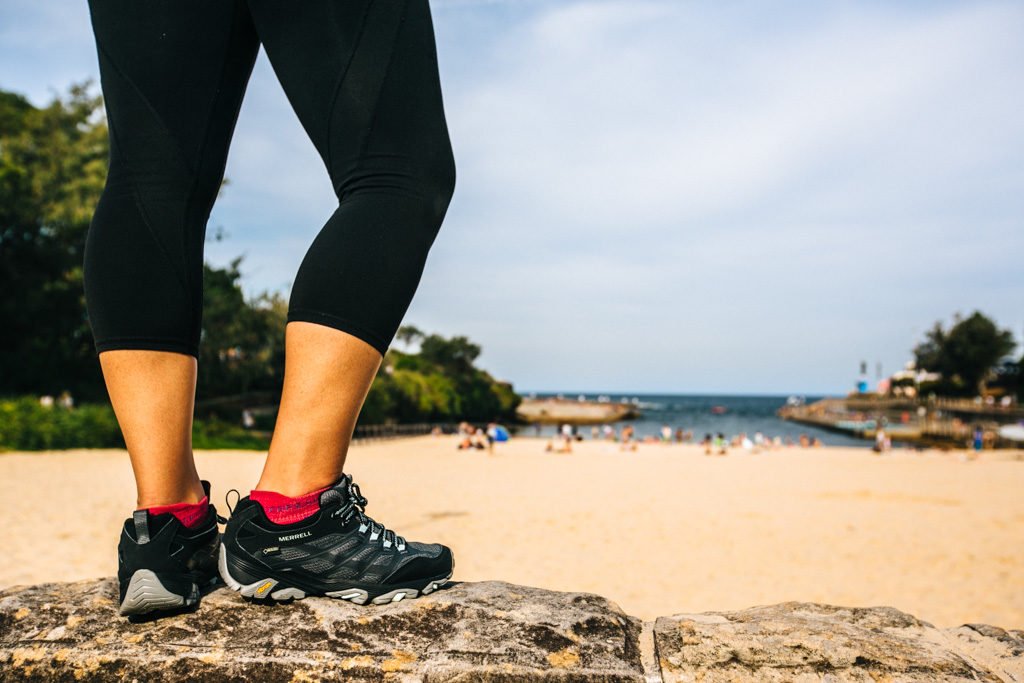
<point>285,509</point>
<point>189,514</point>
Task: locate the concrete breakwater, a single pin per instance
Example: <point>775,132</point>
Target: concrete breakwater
<point>488,631</point>
<point>939,423</point>
<point>562,410</point>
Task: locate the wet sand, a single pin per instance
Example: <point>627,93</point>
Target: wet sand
<point>660,531</point>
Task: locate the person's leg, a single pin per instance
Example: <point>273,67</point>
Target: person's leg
<point>152,393</point>
<point>327,375</point>
<point>173,75</point>
<point>362,77</point>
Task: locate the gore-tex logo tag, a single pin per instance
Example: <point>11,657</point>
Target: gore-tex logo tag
<point>293,537</point>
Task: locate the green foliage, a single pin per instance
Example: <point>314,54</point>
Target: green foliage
<point>966,355</point>
<point>1009,378</point>
<point>242,345</point>
<point>455,355</point>
<point>440,383</point>
<point>52,169</point>
<point>419,395</point>
<point>217,434</point>
<point>25,424</point>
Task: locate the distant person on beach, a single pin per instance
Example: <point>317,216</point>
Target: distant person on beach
<point>881,441</point>
<point>362,77</point>
<point>558,444</point>
<point>570,432</point>
<point>627,443</point>
<point>759,442</point>
<point>561,442</point>
<point>666,434</point>
<point>492,435</point>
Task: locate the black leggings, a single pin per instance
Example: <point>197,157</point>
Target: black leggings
<point>362,78</point>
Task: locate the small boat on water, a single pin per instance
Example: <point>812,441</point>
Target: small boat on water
<point>719,410</point>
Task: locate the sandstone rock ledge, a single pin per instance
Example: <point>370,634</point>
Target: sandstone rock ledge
<point>466,632</point>
<point>482,632</point>
<point>809,642</point>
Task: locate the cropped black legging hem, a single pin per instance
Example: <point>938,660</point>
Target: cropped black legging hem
<point>362,77</point>
<point>170,345</point>
<point>176,346</point>
<point>347,326</point>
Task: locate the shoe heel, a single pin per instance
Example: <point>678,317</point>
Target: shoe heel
<point>260,589</point>
<point>146,593</point>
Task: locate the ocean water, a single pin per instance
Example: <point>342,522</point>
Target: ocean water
<point>743,414</point>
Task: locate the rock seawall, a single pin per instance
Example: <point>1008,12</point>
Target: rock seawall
<point>486,631</point>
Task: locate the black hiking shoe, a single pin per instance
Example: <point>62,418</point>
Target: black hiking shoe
<point>162,565</point>
<point>338,552</point>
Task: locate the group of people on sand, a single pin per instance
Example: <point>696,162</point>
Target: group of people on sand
<point>719,445</point>
<point>477,438</point>
<point>563,439</point>
<point>567,433</point>
<point>714,444</point>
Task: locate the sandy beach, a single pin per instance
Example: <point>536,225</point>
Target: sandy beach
<point>660,531</point>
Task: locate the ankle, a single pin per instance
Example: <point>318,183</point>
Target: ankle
<point>190,493</point>
<point>285,509</point>
<point>294,484</point>
<point>189,514</point>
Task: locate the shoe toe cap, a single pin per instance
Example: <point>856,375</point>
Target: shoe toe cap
<point>425,567</point>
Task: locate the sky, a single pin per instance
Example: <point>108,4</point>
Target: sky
<point>665,195</point>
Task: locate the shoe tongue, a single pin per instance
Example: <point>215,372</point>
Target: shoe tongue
<point>338,493</point>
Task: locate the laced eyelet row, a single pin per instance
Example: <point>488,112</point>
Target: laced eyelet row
<point>376,530</point>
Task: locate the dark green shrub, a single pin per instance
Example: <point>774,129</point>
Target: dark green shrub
<point>27,425</point>
<point>217,434</point>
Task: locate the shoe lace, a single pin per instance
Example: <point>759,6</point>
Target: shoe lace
<point>367,525</point>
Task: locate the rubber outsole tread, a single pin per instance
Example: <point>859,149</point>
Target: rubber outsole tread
<point>146,594</point>
<point>264,589</point>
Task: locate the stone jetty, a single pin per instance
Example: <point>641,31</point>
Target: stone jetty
<point>559,411</point>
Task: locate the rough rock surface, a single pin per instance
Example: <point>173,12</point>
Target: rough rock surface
<point>468,632</point>
<point>809,642</point>
<point>483,632</point>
